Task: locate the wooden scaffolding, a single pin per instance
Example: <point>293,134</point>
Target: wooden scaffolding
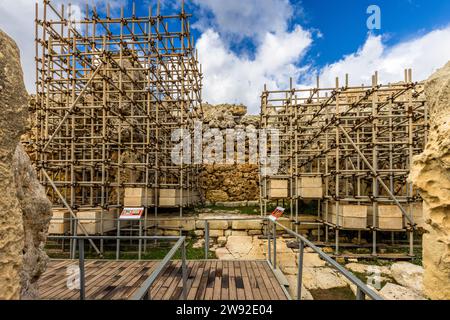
<point>110,92</point>
<point>349,150</point>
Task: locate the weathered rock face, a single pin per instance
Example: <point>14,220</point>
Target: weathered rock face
<point>25,211</point>
<point>13,106</point>
<point>36,215</point>
<point>430,173</point>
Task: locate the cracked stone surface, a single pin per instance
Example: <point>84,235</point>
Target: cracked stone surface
<point>13,106</point>
<point>430,173</point>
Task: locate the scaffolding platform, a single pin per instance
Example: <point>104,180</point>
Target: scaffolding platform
<point>207,280</point>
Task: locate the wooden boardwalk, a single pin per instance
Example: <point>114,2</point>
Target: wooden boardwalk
<point>207,280</point>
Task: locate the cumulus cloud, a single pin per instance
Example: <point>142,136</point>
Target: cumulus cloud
<point>17,20</point>
<point>229,77</point>
<point>245,18</point>
<point>236,76</point>
<point>423,54</point>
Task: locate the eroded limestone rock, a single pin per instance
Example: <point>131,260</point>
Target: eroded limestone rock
<point>36,215</point>
<point>25,211</point>
<point>408,275</point>
<point>13,106</point>
<point>395,292</point>
<point>430,173</point>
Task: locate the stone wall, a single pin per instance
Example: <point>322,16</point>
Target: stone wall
<point>431,175</point>
<point>234,182</point>
<point>24,209</point>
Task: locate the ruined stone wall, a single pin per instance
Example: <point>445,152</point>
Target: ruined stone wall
<point>431,175</point>
<point>24,209</point>
<point>229,182</point>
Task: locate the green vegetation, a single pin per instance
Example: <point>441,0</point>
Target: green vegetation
<point>153,253</point>
<point>344,293</point>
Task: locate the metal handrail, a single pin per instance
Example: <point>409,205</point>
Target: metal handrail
<point>362,289</point>
<point>144,291</point>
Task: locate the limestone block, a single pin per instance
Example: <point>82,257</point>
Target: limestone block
<point>239,233</point>
<point>390,217</point>
<point>215,233</point>
<point>171,233</point>
<point>199,233</point>
<point>213,224</point>
<point>322,278</point>
<point>310,188</point>
<point>395,292</point>
<point>222,241</point>
<point>185,224</point>
<point>277,189</point>
<point>60,223</point>
<point>350,216</point>
<point>292,280</point>
<point>408,275</point>
<point>246,225</point>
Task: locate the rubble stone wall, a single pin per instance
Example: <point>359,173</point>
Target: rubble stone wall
<point>229,182</point>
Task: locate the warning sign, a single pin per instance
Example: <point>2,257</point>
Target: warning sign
<point>277,213</point>
<point>131,213</point>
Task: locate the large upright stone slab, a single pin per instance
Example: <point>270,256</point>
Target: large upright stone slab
<point>13,104</point>
<point>430,173</point>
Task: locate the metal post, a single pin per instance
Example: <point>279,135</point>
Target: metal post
<point>184,269</point>
<point>140,240</point>
<point>274,245</point>
<point>269,253</point>
<point>360,294</point>
<point>81,266</point>
<point>301,247</point>
<point>118,240</point>
<point>206,239</point>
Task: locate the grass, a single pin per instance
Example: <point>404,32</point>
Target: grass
<point>344,293</point>
<point>242,210</point>
<point>153,253</point>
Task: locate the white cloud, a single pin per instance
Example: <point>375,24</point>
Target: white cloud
<point>239,77</point>
<point>17,20</point>
<point>245,18</point>
<point>229,77</point>
<point>423,55</point>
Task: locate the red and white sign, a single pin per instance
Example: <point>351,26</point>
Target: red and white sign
<point>131,214</point>
<point>277,213</point>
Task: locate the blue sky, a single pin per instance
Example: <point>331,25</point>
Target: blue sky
<point>244,44</point>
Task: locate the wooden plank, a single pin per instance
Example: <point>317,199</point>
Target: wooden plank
<point>277,293</point>
<point>247,286</point>
<point>175,277</point>
<point>210,282</point>
<point>239,281</point>
<point>196,282</point>
<point>232,291</point>
<point>225,281</point>
<point>203,282</point>
<point>218,281</point>
<point>260,282</point>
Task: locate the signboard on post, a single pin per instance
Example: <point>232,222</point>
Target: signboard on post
<point>131,214</point>
<point>276,214</point>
